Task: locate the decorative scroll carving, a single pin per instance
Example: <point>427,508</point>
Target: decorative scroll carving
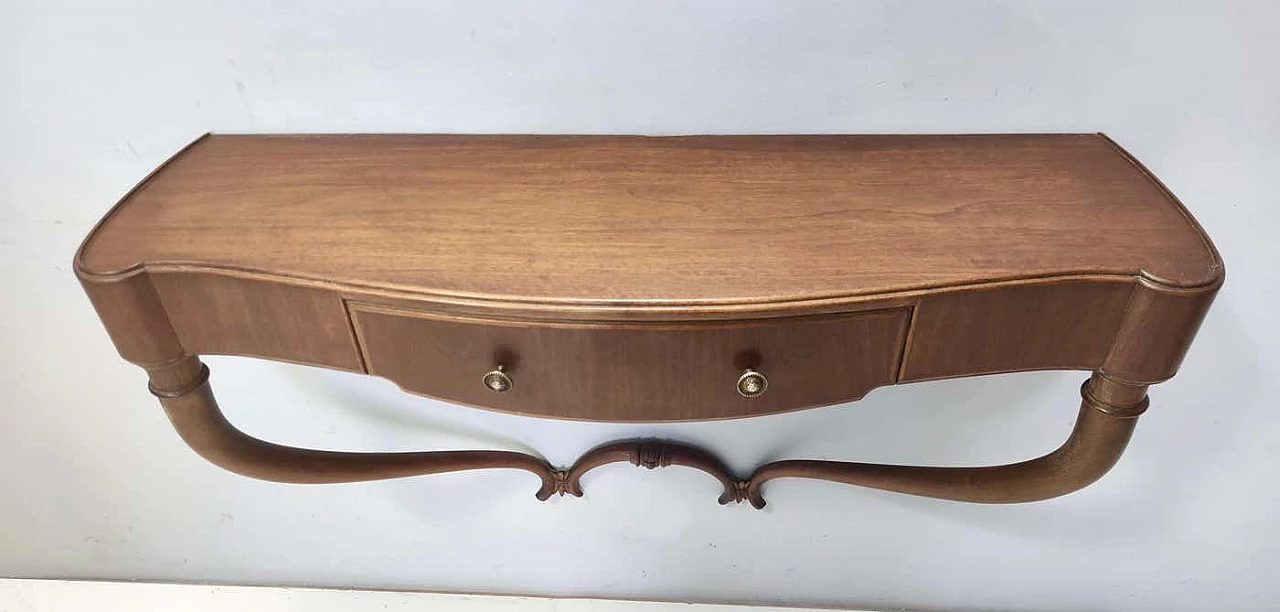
<point>652,454</point>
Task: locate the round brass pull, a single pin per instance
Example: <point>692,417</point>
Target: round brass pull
<point>752,383</point>
<point>498,381</point>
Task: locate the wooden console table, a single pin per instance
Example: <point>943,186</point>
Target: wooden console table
<point>624,278</point>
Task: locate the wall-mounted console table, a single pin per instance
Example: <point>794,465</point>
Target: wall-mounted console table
<point>622,278</point>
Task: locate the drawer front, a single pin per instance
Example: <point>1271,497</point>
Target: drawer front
<point>634,371</point>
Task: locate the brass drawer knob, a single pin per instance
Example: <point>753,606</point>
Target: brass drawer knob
<point>752,383</point>
<point>497,380</point>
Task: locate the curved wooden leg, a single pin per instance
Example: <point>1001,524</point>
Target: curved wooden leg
<point>654,454</point>
<point>183,389</point>
<point>1108,413</point>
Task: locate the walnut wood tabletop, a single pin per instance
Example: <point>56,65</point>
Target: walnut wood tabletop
<point>628,278</point>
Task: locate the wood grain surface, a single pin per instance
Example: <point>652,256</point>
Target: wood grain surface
<point>699,219</point>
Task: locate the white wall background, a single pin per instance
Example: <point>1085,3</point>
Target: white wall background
<point>95,485</point>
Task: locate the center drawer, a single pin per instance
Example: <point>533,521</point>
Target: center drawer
<point>633,371</point>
